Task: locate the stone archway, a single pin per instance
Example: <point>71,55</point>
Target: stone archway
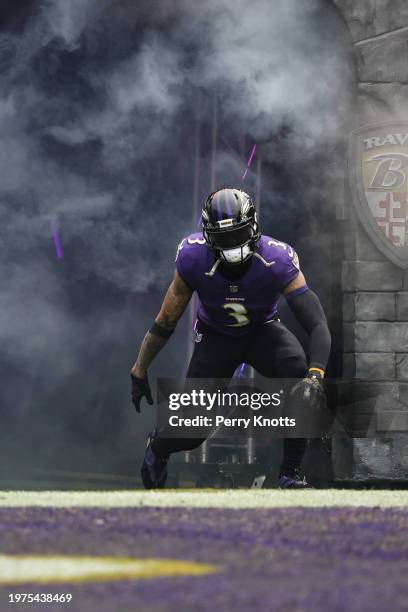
<point>375,290</point>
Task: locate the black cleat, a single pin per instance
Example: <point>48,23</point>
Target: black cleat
<point>293,480</point>
<point>154,467</point>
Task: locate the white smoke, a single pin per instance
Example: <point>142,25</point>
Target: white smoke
<point>97,107</point>
<point>68,20</point>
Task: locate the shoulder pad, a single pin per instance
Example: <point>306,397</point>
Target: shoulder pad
<point>281,250</point>
<point>190,242</point>
<point>191,259</point>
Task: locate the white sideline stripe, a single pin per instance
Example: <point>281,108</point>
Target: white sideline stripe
<point>184,498</point>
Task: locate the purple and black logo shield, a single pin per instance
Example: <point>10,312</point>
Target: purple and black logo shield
<point>378,173</point>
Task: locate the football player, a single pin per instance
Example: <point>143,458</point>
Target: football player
<point>239,275</point>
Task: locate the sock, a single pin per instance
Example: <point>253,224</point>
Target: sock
<point>293,451</point>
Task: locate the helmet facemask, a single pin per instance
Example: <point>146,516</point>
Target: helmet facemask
<point>233,245</point>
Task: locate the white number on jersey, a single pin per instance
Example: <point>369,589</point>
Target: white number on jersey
<point>291,252</point>
<point>239,313</point>
<point>196,241</point>
<point>282,245</point>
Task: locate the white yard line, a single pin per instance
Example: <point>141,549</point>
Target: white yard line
<point>232,499</point>
<point>46,569</point>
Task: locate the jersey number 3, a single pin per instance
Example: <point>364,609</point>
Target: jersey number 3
<point>239,313</point>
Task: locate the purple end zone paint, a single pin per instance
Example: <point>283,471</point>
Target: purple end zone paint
<point>310,559</point>
<point>57,241</point>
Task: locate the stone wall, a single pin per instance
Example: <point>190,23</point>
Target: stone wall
<point>375,291</point>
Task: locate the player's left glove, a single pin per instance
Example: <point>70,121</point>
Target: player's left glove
<point>311,389</point>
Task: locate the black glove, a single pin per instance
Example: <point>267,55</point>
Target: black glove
<point>140,389</point>
<point>311,390</point>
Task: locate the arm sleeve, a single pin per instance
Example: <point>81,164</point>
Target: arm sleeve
<point>308,310</point>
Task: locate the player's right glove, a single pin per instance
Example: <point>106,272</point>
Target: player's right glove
<point>140,389</point>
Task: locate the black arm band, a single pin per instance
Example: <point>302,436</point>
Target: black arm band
<point>309,312</point>
<point>162,332</point>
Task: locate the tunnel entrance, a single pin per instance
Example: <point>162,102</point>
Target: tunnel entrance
<point>297,156</point>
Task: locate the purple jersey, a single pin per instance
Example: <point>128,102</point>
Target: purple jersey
<point>233,307</point>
